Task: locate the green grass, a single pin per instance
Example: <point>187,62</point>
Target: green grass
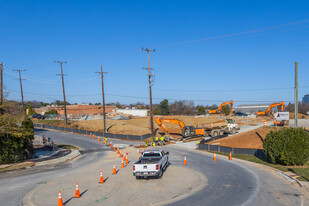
<point>302,171</point>
<point>65,146</point>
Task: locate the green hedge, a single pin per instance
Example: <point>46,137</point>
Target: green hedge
<point>287,146</point>
<point>15,142</point>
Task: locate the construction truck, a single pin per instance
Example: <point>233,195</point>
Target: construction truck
<point>268,111</point>
<point>218,111</point>
<point>191,131</point>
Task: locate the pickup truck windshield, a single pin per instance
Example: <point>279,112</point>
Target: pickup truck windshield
<point>151,155</point>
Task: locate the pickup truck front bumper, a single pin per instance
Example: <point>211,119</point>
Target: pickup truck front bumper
<point>146,174</point>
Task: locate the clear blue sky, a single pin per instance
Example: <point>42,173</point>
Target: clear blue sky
<point>207,51</point>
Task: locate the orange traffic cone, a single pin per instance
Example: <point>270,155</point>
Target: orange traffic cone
<point>215,158</point>
<point>114,148</point>
<point>120,155</point>
<point>185,161</point>
<point>114,169</point>
<point>77,195</point>
<point>230,157</point>
<point>117,150</point>
<point>111,144</point>
<point>90,135</point>
<point>101,178</point>
<point>122,164</point>
<point>124,157</point>
<point>60,199</point>
<point>103,141</point>
<point>127,161</point>
<point>93,136</point>
<point>98,139</point>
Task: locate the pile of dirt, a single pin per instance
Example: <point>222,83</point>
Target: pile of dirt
<point>140,125</point>
<point>252,139</point>
<point>300,116</point>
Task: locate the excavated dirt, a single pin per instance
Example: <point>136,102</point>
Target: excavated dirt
<point>140,125</point>
<point>300,116</point>
<point>252,139</point>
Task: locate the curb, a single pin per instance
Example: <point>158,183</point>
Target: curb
<point>73,154</point>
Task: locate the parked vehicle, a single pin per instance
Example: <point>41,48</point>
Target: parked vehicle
<point>240,114</point>
<point>37,116</point>
<point>152,163</point>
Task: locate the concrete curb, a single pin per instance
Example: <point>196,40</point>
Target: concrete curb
<point>72,155</point>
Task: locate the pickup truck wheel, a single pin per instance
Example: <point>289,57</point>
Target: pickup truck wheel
<point>137,177</point>
<point>160,174</point>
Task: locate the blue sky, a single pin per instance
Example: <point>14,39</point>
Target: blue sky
<point>206,51</point>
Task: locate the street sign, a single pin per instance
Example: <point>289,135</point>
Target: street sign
<point>282,116</point>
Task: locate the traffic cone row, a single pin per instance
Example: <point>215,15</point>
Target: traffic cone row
<point>123,162</point>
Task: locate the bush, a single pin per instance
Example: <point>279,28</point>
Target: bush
<point>15,142</point>
<point>287,146</point>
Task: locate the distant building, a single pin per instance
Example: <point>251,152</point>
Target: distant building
<point>306,98</point>
<point>134,112</point>
<point>251,108</point>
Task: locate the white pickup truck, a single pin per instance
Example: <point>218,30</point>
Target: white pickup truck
<point>151,163</point>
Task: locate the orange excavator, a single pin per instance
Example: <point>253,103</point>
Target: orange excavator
<point>191,131</point>
<point>186,130</point>
<point>218,111</point>
<point>268,111</point>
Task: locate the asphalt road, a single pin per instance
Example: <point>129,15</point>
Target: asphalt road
<point>229,182</point>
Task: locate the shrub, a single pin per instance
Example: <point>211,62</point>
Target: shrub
<point>287,146</point>
<point>15,142</point>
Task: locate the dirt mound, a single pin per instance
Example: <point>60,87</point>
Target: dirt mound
<point>252,139</point>
<point>300,116</point>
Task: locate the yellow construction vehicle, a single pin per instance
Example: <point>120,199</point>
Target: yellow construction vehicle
<point>268,111</point>
<point>218,111</point>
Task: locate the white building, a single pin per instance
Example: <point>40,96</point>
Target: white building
<point>134,112</point>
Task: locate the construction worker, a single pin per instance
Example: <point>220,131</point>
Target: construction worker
<point>198,143</point>
<point>162,140</point>
<point>146,144</point>
<point>153,144</point>
<point>105,141</point>
<point>156,140</point>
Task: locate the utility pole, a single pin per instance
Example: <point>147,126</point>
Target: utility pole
<point>1,88</point>
<point>150,92</point>
<point>21,85</point>
<point>296,95</point>
<point>103,96</point>
<point>65,103</point>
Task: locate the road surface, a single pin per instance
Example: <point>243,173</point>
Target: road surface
<point>228,182</point>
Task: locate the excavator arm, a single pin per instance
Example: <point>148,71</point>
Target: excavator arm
<point>261,113</point>
<point>275,105</point>
<point>160,122</point>
<point>220,107</point>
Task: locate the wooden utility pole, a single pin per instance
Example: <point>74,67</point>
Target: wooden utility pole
<point>103,96</point>
<point>21,85</point>
<point>150,92</point>
<point>65,103</point>
<point>1,88</point>
<point>296,95</point>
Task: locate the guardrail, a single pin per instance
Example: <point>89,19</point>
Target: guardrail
<point>87,132</point>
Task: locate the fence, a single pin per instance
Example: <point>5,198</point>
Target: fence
<point>87,132</point>
<point>217,148</point>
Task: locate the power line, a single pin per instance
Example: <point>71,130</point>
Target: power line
<point>21,85</point>
<point>65,104</point>
<point>150,92</point>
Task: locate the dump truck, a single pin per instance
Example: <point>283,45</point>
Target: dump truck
<point>190,131</point>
